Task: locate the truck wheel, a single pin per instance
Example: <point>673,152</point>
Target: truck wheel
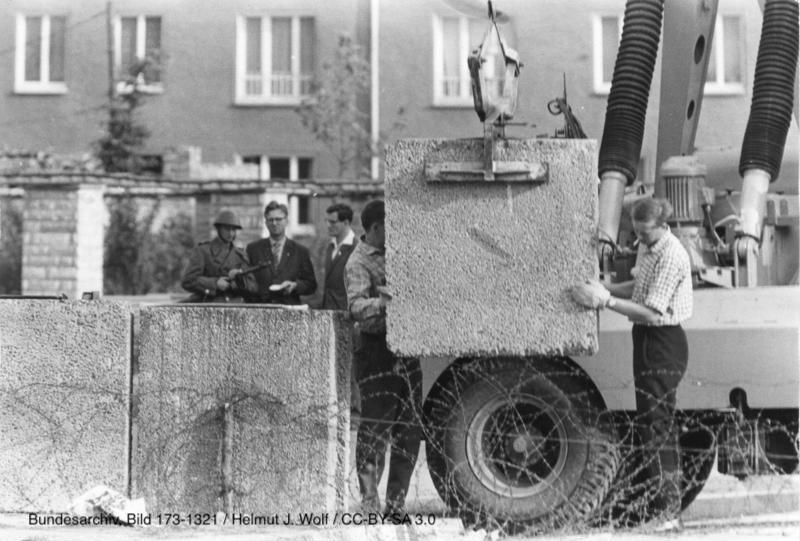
<point>519,443</point>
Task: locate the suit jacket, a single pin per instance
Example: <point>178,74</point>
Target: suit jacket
<point>335,295</point>
<point>295,265</point>
<point>207,263</point>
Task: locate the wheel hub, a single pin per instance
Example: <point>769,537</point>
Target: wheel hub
<point>517,446</point>
<point>527,445</point>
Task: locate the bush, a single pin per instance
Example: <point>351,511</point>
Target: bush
<point>11,250</point>
<point>138,261</point>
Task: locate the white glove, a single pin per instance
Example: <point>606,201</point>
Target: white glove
<point>591,294</point>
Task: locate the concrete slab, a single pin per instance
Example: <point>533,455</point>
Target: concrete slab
<point>284,375</point>
<point>482,268</point>
<point>64,400</point>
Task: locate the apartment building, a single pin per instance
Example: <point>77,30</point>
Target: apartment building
<point>556,39</point>
<point>232,72</point>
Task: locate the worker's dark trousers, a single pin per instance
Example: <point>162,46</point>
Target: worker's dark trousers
<point>660,355</point>
<point>391,392</point>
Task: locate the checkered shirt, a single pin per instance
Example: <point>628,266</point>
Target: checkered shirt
<point>664,280</point>
<point>365,270</point>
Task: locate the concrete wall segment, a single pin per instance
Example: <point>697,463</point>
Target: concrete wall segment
<point>483,268</point>
<point>285,374</point>
<point>64,401</point>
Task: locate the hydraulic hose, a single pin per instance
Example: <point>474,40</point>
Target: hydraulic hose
<point>770,117</point>
<point>623,132</point>
<point>773,89</point>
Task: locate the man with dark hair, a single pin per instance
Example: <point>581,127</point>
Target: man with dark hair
<point>343,240</point>
<point>391,387</point>
<point>287,271</point>
<point>212,272</point>
<point>657,301</point>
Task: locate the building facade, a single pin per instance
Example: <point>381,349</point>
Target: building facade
<point>231,73</point>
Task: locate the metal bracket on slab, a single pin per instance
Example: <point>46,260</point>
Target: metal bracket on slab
<point>490,170</point>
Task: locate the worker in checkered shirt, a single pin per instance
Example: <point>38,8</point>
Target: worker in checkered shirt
<point>391,387</point>
<point>657,301</point>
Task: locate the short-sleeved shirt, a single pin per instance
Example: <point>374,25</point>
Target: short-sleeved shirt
<point>364,272</point>
<point>664,280</point>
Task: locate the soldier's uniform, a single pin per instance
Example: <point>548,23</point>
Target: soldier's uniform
<point>214,259</point>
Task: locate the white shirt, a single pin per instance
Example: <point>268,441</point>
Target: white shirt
<point>349,239</point>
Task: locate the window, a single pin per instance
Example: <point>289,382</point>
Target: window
<point>725,66</point>
<point>39,51</point>
<point>274,59</point>
<point>725,70</point>
<point>453,39</point>
<point>291,169</point>
<point>138,38</point>
<point>606,33</point>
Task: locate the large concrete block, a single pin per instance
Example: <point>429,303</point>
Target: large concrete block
<point>284,375</point>
<point>64,401</point>
<point>482,268</point>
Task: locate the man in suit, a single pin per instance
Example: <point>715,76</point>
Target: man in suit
<point>288,272</point>
<point>343,240</point>
<point>214,270</point>
<point>334,297</point>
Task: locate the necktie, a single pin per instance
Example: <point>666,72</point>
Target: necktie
<point>276,254</point>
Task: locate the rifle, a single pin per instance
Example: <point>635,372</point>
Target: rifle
<point>254,268</point>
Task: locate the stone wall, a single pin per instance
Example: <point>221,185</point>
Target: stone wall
<point>63,240</point>
<point>482,268</point>
<point>244,400</point>
<point>64,400</point>
<point>282,377</point>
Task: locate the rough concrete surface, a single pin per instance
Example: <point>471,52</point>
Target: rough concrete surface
<point>483,268</point>
<point>64,400</point>
<point>284,375</point>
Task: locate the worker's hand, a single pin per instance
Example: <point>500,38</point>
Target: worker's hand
<point>383,291</point>
<point>223,283</point>
<point>591,294</point>
<point>233,273</point>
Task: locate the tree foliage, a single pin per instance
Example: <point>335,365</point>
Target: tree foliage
<point>10,249</point>
<point>137,259</point>
<point>332,112</point>
<point>118,149</point>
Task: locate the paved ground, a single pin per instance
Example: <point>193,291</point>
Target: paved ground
<point>771,526</point>
<point>727,509</point>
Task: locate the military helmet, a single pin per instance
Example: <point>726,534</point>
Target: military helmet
<point>229,218</point>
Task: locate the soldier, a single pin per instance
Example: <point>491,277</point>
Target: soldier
<point>214,270</point>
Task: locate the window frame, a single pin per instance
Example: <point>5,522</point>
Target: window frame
<point>290,199</point>
<point>141,41</point>
<point>599,86</point>
<point>44,85</point>
<point>719,87</point>
<point>464,99</point>
<point>240,58</point>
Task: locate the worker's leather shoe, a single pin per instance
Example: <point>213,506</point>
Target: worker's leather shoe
<point>668,525</point>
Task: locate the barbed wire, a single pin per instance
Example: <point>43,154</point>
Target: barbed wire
<point>494,440</point>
